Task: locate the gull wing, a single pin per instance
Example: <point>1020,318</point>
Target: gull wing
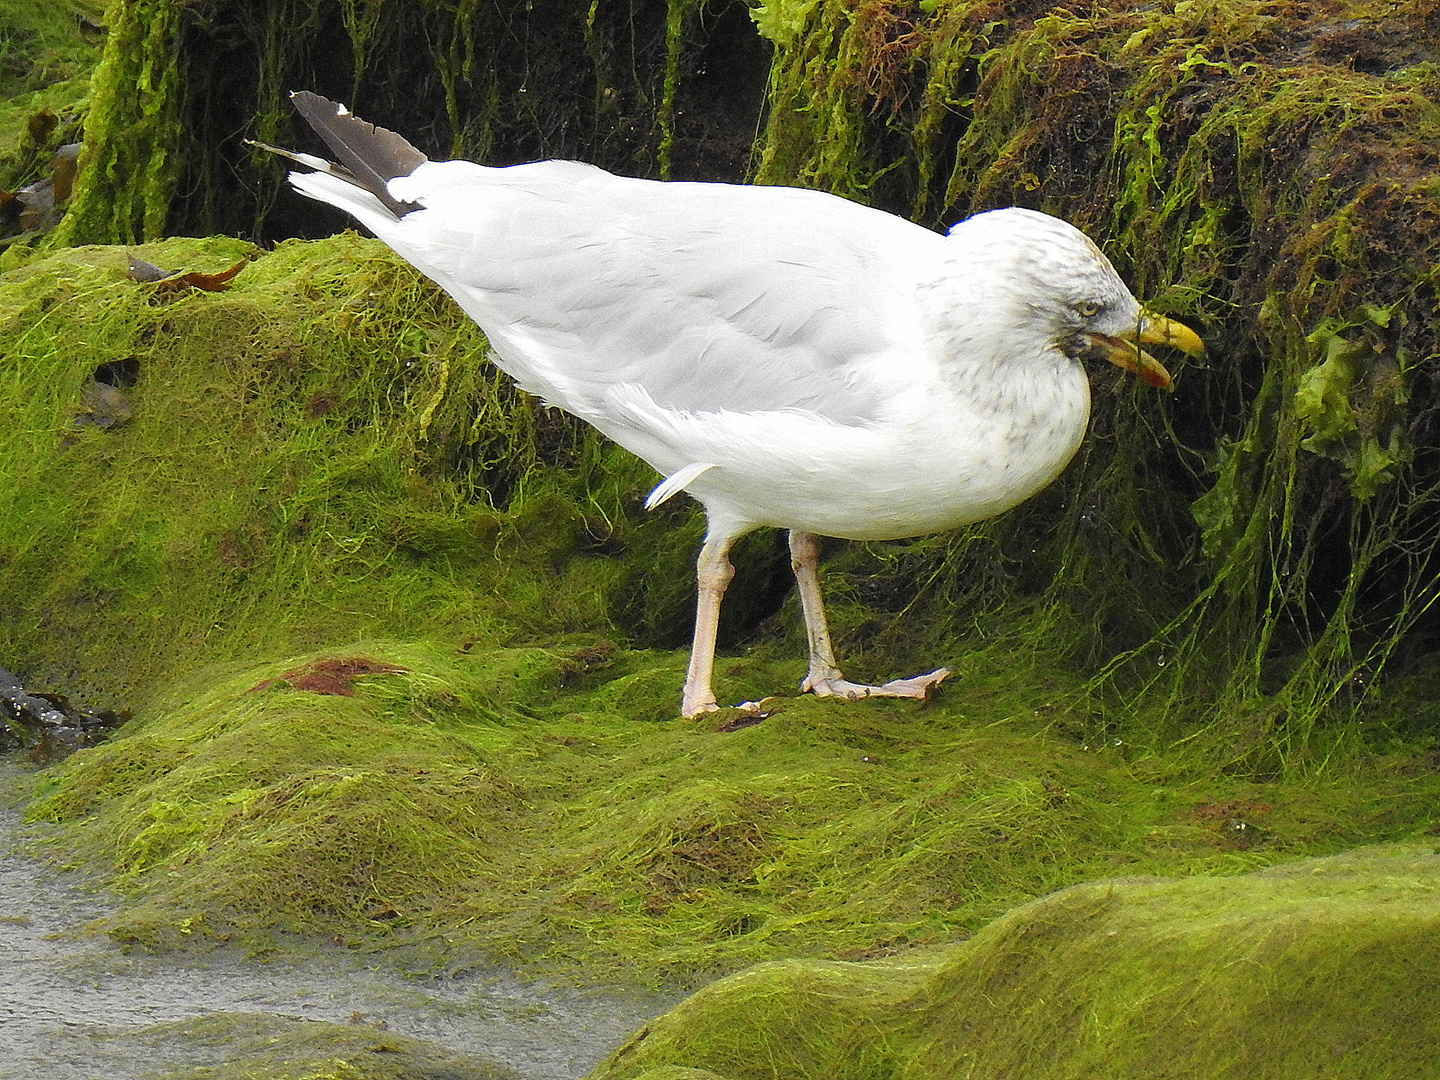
<point>707,297</point>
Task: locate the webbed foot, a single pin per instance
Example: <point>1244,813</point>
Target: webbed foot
<point>917,687</point>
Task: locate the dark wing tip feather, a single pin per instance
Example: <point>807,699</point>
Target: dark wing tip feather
<point>372,155</point>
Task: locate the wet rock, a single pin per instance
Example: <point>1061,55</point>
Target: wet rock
<point>47,724</point>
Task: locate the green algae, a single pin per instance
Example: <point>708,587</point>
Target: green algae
<point>472,802</point>
<point>123,189</point>
<point>213,523</point>
<point>183,84</point>
<point>262,1046</point>
<point>46,57</point>
<point>1323,967</point>
<point>1265,169</point>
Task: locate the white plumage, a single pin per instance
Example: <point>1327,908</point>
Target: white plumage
<point>787,357</point>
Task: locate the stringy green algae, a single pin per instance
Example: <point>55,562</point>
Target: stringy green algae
<point>1266,170</point>
<point>1322,968</point>
<point>48,54</point>
<point>304,461</point>
<point>182,85</point>
<point>265,1046</point>
<point>535,803</point>
<point>124,189</point>
<point>320,466</point>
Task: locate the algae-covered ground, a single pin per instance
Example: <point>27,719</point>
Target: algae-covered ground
<point>1326,967</point>
<point>262,1045</point>
<point>47,51</point>
<point>403,650</point>
<point>492,802</point>
<point>393,683</point>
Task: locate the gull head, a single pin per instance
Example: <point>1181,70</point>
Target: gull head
<point>1045,288</point>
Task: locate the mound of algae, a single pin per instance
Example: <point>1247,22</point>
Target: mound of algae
<point>1326,967</point>
<point>261,1046</point>
<point>47,51</point>
<point>1265,168</point>
<point>318,452</point>
<point>402,652</point>
<point>535,804</point>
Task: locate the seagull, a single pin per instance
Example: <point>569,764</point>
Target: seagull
<point>786,357</point>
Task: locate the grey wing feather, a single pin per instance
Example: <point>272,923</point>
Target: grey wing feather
<point>371,155</point>
<point>710,297</point>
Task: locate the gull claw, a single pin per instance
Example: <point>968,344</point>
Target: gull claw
<point>691,709</point>
<point>917,687</point>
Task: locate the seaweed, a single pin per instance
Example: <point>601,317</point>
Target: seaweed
<point>1264,169</point>
<point>1319,967</point>
<point>47,51</point>
<point>183,84</point>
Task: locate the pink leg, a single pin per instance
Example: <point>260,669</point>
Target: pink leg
<point>712,573</point>
<point>805,560</point>
<point>824,678</point>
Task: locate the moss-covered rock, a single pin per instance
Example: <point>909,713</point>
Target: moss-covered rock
<point>472,801</point>
<point>650,88</point>
<point>1323,968</point>
<point>1253,558</point>
<point>48,49</point>
<point>1271,168</point>
<point>306,457</point>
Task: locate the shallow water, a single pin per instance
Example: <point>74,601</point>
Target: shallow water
<point>74,1007</point>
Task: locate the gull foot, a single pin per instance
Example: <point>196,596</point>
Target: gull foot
<point>918,687</point>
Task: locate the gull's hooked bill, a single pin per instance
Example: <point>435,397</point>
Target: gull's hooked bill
<point>1124,350</point>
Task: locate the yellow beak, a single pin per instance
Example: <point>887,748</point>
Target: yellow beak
<point>1125,351</point>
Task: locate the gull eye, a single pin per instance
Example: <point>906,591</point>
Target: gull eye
<point>1088,309</point>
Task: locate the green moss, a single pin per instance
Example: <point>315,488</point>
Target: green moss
<point>183,84</point>
<point>539,805</point>
<point>318,451</point>
<point>1265,170</point>
<point>261,1046</point>
<point>46,56</point>
<point>313,809</point>
<point>833,63</point>
<point>126,179</point>
<point>676,13</point>
<point>1324,967</point>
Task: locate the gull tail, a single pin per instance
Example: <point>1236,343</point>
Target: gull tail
<point>370,156</point>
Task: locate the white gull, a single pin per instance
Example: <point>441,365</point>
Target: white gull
<point>786,357</point>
